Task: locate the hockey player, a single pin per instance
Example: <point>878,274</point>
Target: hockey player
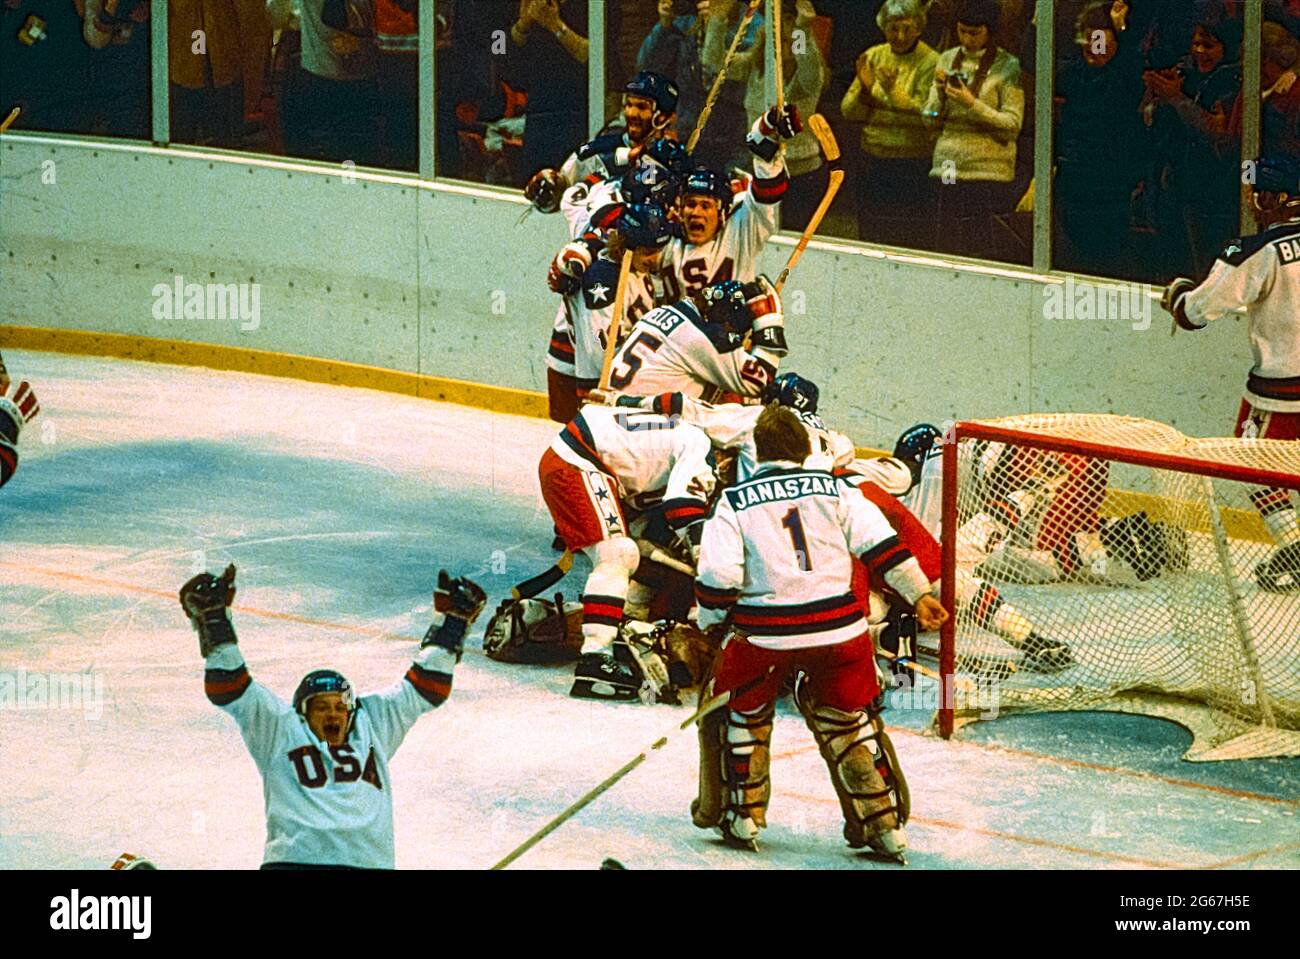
<point>604,461</point>
<point>15,412</point>
<point>775,567</point>
<point>577,348</point>
<point>1259,276</point>
<point>590,207</point>
<point>698,343</point>
<point>723,233</point>
<point>649,107</point>
<point>324,759</point>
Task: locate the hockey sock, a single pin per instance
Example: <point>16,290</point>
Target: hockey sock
<point>1274,507</point>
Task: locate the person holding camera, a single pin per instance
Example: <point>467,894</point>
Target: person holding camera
<point>324,758</point>
<point>978,106</point>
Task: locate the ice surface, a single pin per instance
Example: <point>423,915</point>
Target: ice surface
<point>339,506</point>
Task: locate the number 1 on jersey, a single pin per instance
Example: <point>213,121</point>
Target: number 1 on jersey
<point>794,525</point>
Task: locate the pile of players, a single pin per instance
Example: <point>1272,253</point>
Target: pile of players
<point>735,541</point>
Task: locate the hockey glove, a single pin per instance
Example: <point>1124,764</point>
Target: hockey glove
<point>544,190</point>
<point>764,139</point>
<point>568,266</point>
<point>460,601</point>
<point>1174,301</point>
<point>206,600</point>
<point>14,415</point>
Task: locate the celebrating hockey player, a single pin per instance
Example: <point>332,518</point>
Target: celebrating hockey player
<point>604,461</point>
<point>15,412</point>
<point>723,233</point>
<point>775,568</point>
<point>649,107</point>
<point>577,348</point>
<point>1259,276</point>
<point>698,343</point>
<point>324,759</point>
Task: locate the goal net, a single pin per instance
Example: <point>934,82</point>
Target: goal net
<point>1099,562</point>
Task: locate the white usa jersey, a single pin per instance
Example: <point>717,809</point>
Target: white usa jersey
<point>925,499</point>
<point>733,253</point>
<point>592,205</point>
<point>649,455</point>
<point>778,553</point>
<point>730,426</point>
<point>1259,276</point>
<point>587,315</point>
<point>673,349</point>
<point>327,805</point>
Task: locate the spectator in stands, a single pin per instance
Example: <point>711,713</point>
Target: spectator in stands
<point>119,70</point>
<point>892,84</point>
<point>548,59</point>
<point>207,90</point>
<point>1279,66</point>
<point>977,105</point>
<point>1099,149</point>
<point>398,42</point>
<point>805,78</point>
<point>330,105</point>
<point>44,65</point>
<point>672,48</point>
<point>722,145</point>
<point>1193,104</point>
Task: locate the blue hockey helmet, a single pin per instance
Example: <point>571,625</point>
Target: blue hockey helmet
<point>915,444</point>
<point>1278,173</point>
<point>727,304</point>
<point>323,681</point>
<point>703,181</point>
<point>644,225</point>
<point>651,183</point>
<point>654,87</point>
<point>794,391</point>
<point>670,154</point>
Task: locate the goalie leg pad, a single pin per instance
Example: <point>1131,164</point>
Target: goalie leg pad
<point>864,770</point>
<point>746,765</point>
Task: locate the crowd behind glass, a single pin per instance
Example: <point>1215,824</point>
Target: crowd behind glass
<point>932,102</point>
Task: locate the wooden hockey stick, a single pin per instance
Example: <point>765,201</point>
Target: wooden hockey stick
<point>653,553</point>
<point>543,581</point>
<point>716,89</point>
<point>708,706</point>
<point>831,151</point>
<point>611,336</point>
<point>780,65</point>
<point>9,120</point>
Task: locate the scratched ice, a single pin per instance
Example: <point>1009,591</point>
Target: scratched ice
<point>338,506</point>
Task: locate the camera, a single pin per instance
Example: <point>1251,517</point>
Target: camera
<point>959,79</point>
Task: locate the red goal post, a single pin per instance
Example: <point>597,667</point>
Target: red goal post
<point>1196,640</point>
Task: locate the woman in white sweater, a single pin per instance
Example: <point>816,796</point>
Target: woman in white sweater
<point>978,106</point>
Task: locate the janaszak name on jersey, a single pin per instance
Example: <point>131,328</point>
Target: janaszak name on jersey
<point>775,548</point>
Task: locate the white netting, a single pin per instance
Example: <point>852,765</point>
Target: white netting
<point>1084,582</point>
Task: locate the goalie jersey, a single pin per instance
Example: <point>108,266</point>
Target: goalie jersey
<point>1259,276</point>
<point>652,457</point>
<point>733,253</point>
<point>327,805</point>
<point>676,350</point>
<point>778,554</point>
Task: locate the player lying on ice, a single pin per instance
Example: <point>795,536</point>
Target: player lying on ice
<point>1259,276</point>
<point>324,759</point>
<point>774,576</point>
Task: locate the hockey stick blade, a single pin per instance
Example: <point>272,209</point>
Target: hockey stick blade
<point>543,581</point>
